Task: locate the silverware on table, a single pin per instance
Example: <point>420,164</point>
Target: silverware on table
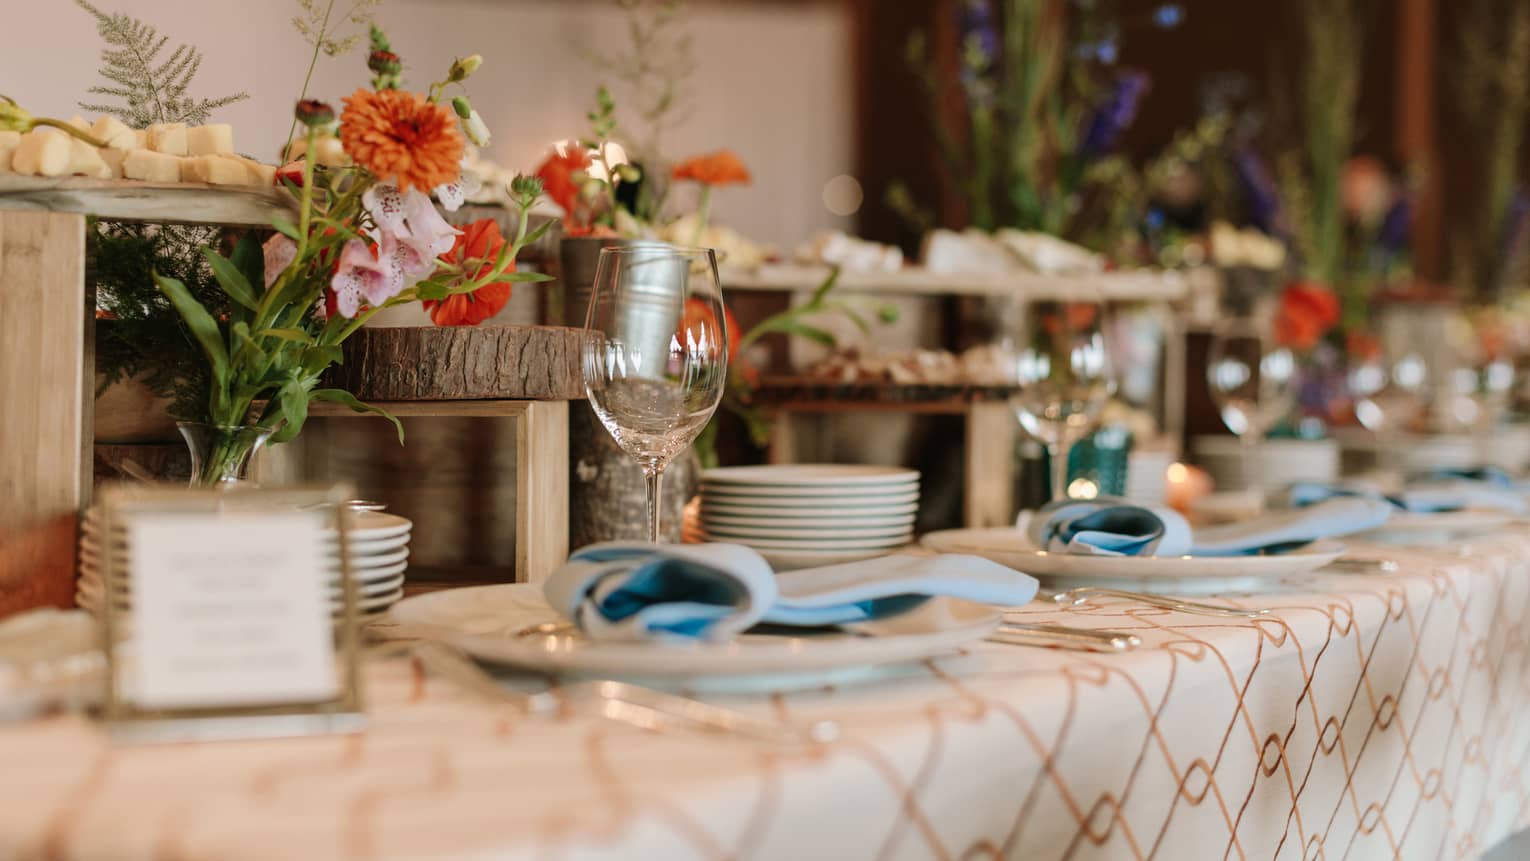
<point>1037,634</point>
<point>1355,563</point>
<point>1081,595</point>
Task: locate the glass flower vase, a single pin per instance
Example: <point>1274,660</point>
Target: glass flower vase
<point>220,455</point>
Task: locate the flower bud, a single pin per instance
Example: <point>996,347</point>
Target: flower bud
<point>473,125</point>
<point>313,113</point>
<point>526,186</point>
<point>464,67</point>
<point>13,117</point>
<point>384,63</point>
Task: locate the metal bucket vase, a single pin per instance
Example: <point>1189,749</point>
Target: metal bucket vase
<point>568,303</point>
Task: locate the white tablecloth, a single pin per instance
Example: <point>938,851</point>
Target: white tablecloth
<point>1371,716</point>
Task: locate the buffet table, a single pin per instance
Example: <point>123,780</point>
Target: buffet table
<point>1369,716</point>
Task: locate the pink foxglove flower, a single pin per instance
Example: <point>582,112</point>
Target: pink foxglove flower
<point>279,252</point>
<point>364,278</point>
<point>455,193</point>
<point>410,229</point>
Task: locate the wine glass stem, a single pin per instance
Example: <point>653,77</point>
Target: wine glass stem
<point>1253,465</point>
<point>1057,453</point>
<point>655,476</point>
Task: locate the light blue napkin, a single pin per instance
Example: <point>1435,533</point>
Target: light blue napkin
<point>1422,497</point>
<point>1330,518</point>
<point>630,591</point>
<point>1109,526</point>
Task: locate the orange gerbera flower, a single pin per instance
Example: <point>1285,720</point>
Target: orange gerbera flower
<point>1307,311</point>
<point>479,244</point>
<point>719,168</point>
<point>399,136</point>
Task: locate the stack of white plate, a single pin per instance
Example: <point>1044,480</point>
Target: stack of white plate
<point>1146,475</point>
<point>379,556</point>
<point>806,515</point>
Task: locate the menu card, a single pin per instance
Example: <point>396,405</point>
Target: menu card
<point>231,609</point>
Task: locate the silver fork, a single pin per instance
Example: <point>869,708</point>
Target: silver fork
<point>1081,595</point>
<point>1037,634</point>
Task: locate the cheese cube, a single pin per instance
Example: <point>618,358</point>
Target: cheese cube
<point>8,143</point>
<point>113,158</point>
<point>79,122</point>
<point>115,133</point>
<point>331,153</point>
<point>256,172</point>
<point>215,169</point>
<point>216,139</point>
<point>140,139</point>
<point>151,166</point>
<point>85,160</point>
<point>41,154</point>
<point>168,138</point>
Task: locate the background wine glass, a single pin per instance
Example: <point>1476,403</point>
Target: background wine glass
<point>1253,381</point>
<point>1058,363</point>
<point>655,353</point>
<point>1386,379</point>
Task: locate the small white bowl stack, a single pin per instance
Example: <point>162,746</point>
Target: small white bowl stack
<point>379,557</point>
<point>807,515</point>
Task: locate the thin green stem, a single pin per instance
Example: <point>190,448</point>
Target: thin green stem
<point>312,62</point>
<point>68,129</point>
<point>703,213</point>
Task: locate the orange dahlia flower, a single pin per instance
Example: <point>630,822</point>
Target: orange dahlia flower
<point>719,168</point>
<point>400,136</point>
<point>1307,311</point>
<point>475,251</point>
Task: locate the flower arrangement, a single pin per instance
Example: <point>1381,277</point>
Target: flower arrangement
<point>368,237</point>
<point>1042,107</point>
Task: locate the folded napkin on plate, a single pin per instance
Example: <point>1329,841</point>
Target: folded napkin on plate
<point>1494,475</point>
<point>628,591</point>
<point>1330,518</point>
<point>1108,526</point>
<point>1422,497</point>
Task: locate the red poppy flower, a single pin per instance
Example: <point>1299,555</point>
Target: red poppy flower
<point>475,251</point>
<point>698,314</point>
<point>560,177</point>
<point>1307,311</point>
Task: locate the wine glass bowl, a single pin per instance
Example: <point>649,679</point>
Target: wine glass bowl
<point>655,352</point>
<point>1060,369</point>
<point>1253,380</point>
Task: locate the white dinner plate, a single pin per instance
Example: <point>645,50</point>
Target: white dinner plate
<point>811,538</point>
<point>482,621</point>
<point>724,508</point>
<point>809,475</point>
<point>1438,527</point>
<point>885,542</point>
<point>1176,575</point>
<point>781,494</point>
<point>365,525</point>
<point>383,582</point>
<point>365,566</point>
<point>92,571</point>
<point>87,594</point>
<point>793,560</point>
<point>711,499</point>
<point>805,530</point>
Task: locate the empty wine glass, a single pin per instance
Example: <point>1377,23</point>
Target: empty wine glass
<point>1386,379</point>
<point>1253,381</point>
<point>1057,361</point>
<point>655,353</point>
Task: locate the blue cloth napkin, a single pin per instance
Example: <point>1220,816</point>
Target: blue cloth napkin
<point>1422,497</point>
<point>1329,518</point>
<point>629,591</point>
<point>1109,526</point>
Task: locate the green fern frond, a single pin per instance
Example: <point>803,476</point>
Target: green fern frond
<point>150,90</point>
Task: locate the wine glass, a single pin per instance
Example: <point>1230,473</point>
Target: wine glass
<point>1058,364</point>
<point>1254,382</point>
<point>655,352</point>
<point>1386,379</point>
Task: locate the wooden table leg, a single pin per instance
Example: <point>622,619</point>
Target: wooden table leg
<point>541,488</point>
<point>990,472</point>
<point>46,374</point>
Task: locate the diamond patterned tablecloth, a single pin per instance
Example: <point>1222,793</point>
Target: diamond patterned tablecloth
<point>1370,716</point>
